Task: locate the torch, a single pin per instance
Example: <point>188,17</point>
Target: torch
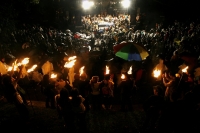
<point>122,76</point>
<point>156,73</point>
<point>184,70</point>
<point>81,70</point>
<point>70,64</point>
<point>107,70</point>
<point>32,68</point>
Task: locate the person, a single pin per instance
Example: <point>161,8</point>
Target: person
<point>3,66</point>
<point>84,90</point>
<point>13,96</point>
<point>162,67</point>
<point>64,108</point>
<point>78,109</point>
<point>95,92</point>
<point>106,89</point>
<point>48,88</point>
<point>76,81</point>
<point>175,61</point>
<point>126,88</point>
<point>47,67</point>
<point>59,85</point>
<point>153,107</point>
<point>170,81</point>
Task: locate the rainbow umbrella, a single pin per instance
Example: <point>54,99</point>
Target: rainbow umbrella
<point>130,51</point>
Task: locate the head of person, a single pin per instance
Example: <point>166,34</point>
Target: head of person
<point>64,93</point>
<point>157,90</point>
<point>76,77</point>
<point>6,79</point>
<point>95,79</point>
<point>74,92</point>
<point>3,59</point>
<point>83,76</point>
<point>172,74</point>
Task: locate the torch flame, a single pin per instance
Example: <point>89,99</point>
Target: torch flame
<point>32,68</point>
<point>72,58</point>
<point>70,64</point>
<point>81,70</point>
<point>13,67</point>
<point>185,69</point>
<point>122,76</point>
<point>53,75</point>
<point>9,68</point>
<point>130,70</point>
<point>107,70</point>
<point>25,61</point>
<point>156,73</point>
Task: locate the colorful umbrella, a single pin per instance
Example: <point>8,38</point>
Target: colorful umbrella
<point>130,51</point>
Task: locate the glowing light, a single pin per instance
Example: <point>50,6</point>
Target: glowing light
<point>53,76</point>
<point>130,70</point>
<point>107,70</point>
<point>13,67</point>
<point>156,73</point>
<point>81,70</point>
<point>32,68</point>
<point>87,4</point>
<point>122,76</point>
<point>126,3</point>
<point>184,70</point>
<point>9,68</point>
<point>71,58</point>
<point>25,61</point>
<point>71,62</point>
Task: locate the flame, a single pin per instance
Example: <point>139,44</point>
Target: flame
<point>122,76</point>
<point>13,67</point>
<point>130,70</point>
<point>72,58</point>
<point>53,75</point>
<point>107,70</point>
<point>156,73</point>
<point>32,68</point>
<point>9,68</point>
<point>184,70</point>
<point>71,62</point>
<point>25,61</point>
<point>81,70</point>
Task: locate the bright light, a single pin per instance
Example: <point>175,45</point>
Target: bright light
<point>32,68</point>
<point>122,76</point>
<point>185,69</point>
<point>130,70</point>
<point>87,4</point>
<point>107,70</point>
<point>156,73</point>
<point>53,75</point>
<point>126,3</point>
<point>81,70</point>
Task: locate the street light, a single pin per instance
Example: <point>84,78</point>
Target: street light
<point>126,3</point>
<point>87,4</point>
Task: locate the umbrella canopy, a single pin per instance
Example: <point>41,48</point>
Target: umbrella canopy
<point>130,51</point>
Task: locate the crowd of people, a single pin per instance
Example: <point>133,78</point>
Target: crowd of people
<point>173,50</point>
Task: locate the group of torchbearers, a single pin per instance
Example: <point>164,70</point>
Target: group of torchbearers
<point>79,94</point>
<point>91,93</point>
